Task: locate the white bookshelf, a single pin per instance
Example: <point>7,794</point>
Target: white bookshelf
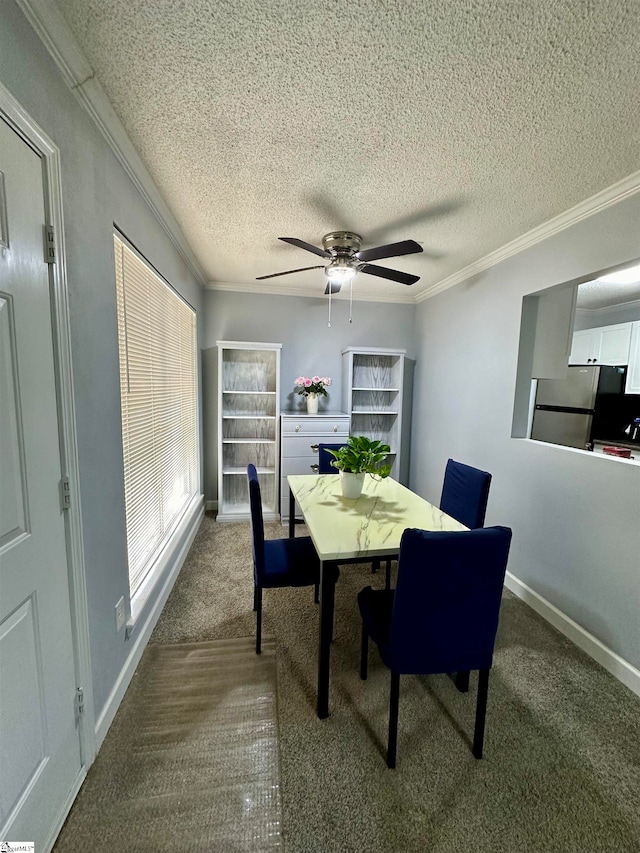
<point>248,418</point>
<point>372,383</point>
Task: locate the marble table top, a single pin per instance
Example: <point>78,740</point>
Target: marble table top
<point>370,526</point>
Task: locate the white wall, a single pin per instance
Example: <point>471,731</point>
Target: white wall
<point>308,346</point>
<point>96,194</point>
<point>574,515</point>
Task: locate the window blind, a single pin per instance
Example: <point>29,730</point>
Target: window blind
<point>158,383</point>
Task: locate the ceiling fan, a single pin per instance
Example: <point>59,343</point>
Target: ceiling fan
<point>342,250</point>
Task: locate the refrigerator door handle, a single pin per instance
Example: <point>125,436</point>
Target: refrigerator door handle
<point>571,410</point>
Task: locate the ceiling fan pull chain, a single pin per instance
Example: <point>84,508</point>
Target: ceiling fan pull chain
<point>329,323</point>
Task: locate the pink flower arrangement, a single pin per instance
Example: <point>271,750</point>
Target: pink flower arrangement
<point>312,385</point>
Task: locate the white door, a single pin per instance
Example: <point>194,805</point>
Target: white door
<point>40,756</point>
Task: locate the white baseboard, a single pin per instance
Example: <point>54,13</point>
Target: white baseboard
<point>612,662</point>
<point>144,632</point>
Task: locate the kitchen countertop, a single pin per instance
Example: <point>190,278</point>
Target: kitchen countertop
<point>628,445</point>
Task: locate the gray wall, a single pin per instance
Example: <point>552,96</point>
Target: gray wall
<point>96,194</point>
<point>574,515</point>
<point>308,346</point>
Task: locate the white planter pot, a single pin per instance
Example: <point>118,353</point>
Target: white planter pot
<point>312,404</point>
<point>351,484</point>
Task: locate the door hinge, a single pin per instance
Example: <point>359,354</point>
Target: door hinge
<point>80,701</point>
<point>49,245</point>
<point>65,493</point>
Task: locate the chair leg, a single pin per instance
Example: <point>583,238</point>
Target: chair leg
<point>394,701</point>
<point>387,577</point>
<point>255,597</point>
<point>316,594</point>
<point>364,653</point>
<point>481,712</point>
<point>461,681</point>
<point>375,565</point>
<point>258,619</point>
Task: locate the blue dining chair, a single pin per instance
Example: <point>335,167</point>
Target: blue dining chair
<point>465,492</point>
<point>278,562</point>
<point>325,467</point>
<point>442,616</point>
<point>325,459</point>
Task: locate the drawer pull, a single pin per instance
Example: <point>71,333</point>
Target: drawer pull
<point>298,428</point>
<point>315,447</point>
<point>315,468</point>
<point>335,429</point>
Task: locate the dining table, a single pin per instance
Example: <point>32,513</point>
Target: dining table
<point>347,531</point>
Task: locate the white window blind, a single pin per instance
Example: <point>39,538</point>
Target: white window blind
<point>158,381</point>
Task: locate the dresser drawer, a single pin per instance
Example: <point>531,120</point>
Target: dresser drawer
<point>298,465</point>
<point>305,445</point>
<point>326,427</point>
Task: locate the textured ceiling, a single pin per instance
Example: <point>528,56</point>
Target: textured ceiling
<point>461,125</point>
<point>598,294</point>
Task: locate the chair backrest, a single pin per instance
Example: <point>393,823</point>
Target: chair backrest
<point>325,459</point>
<point>465,492</point>
<point>257,524</point>
<point>447,599</point>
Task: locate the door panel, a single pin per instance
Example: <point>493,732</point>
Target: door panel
<point>583,347</point>
<point>40,743</point>
<point>21,711</point>
<point>12,473</point>
<point>614,344</point>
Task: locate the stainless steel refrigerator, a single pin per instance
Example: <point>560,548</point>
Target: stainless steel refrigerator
<point>564,408</point>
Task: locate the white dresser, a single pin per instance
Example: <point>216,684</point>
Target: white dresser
<point>300,436</point>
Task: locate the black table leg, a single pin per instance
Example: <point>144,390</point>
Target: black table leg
<point>327,598</point>
<point>292,515</point>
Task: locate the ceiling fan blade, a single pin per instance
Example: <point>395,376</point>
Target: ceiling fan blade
<point>392,275</point>
<point>333,287</point>
<point>287,272</point>
<point>393,250</point>
<point>308,246</point>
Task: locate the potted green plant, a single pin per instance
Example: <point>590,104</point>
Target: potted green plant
<point>360,456</point>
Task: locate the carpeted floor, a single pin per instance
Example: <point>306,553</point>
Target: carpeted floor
<point>561,770</point>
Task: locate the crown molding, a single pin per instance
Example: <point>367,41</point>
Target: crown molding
<point>607,309</point>
<point>275,290</point>
<point>600,201</point>
<point>55,34</point>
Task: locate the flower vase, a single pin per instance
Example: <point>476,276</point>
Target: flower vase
<point>312,404</point>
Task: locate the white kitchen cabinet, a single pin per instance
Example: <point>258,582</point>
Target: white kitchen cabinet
<point>633,373</point>
<point>583,347</point>
<point>248,415</point>
<point>300,436</point>
<point>372,387</point>
<point>602,345</point>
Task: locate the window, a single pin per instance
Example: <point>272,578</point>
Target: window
<point>158,383</point>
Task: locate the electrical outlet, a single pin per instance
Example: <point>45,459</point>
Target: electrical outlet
<point>120,614</point>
